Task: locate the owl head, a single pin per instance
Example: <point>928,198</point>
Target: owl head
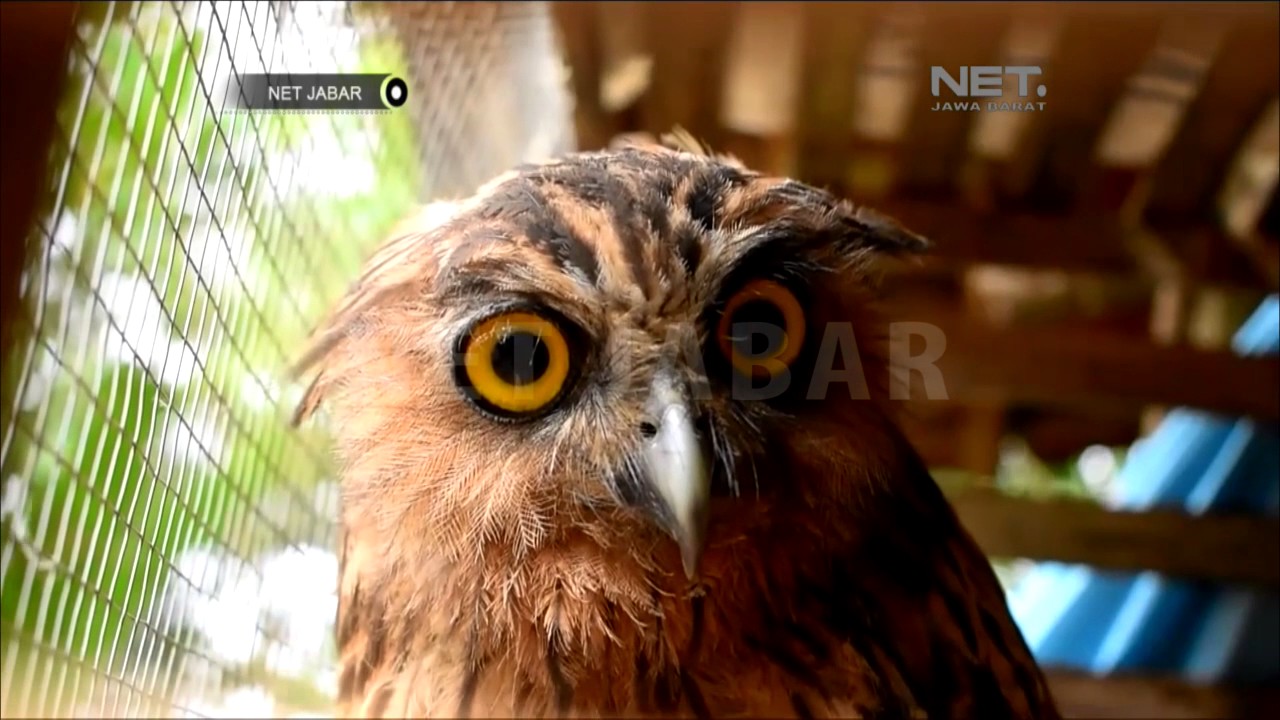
<point>642,347</point>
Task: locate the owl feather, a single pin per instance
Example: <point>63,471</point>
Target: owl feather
<point>515,542</point>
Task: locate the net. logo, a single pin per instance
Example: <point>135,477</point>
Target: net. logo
<point>985,81</point>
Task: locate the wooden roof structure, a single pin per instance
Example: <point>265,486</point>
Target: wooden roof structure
<point>1092,257</point>
<point>1085,263</point>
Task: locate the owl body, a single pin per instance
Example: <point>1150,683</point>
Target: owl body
<point>593,465</point>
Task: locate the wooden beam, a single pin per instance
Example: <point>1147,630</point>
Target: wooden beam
<point>576,24</point>
<point>1102,11</point>
<point>760,96</point>
<point>1085,77</point>
<point>936,144</point>
<point>887,92</point>
<point>687,41</point>
<point>34,38</point>
<point>1238,86</point>
<point>626,68</point>
<point>944,435</point>
<point>1072,243</point>
<point>836,36</point>
<point>1099,373</point>
<point>1059,436</point>
<point>1084,242</point>
<point>1170,315</point>
<point>1227,548</point>
<point>1093,367</point>
<point>1081,695</point>
<point>1269,223</point>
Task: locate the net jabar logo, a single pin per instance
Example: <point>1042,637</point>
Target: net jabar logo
<point>317,92</point>
<point>394,92</point>
<point>986,81</point>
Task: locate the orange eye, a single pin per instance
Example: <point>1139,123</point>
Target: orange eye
<point>515,363</point>
<point>762,328</point>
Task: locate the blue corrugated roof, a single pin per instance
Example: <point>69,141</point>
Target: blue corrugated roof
<point>1104,622</point>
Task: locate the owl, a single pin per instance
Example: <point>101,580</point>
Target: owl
<point>593,463</point>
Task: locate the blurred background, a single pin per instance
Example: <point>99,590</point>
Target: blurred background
<point>1105,271</point>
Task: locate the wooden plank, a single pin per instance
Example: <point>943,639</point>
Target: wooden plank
<point>1170,314</point>
<point>979,437</point>
<point>932,429</point>
<point>1096,11</point>
<point>835,40</point>
<point>1031,39</point>
<point>886,91</point>
<point>576,23</point>
<point>1078,242</point>
<point>1100,373</point>
<point>1237,88</point>
<point>1104,11</point>
<point>761,87</point>
<point>1242,549</point>
<point>1184,185</point>
<point>1056,436</point>
<point>1081,695</point>
<point>687,42</point>
<point>1265,246</point>
<point>1092,367</point>
<point>1084,78</point>
<point>625,65</point>
<point>1264,256</point>
<point>1084,242</point>
<point>1072,243</point>
<point>944,435</point>
<point>936,143</point>
<point>981,433</point>
<point>1082,303</point>
<point>35,38</point>
<point>1157,97</point>
<point>1269,224</point>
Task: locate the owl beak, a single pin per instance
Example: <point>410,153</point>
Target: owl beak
<point>678,472</point>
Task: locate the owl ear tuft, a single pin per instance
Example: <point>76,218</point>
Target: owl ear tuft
<point>641,140</point>
<point>393,271</point>
<point>887,235</point>
<point>310,401</point>
<point>685,141</point>
<point>679,140</point>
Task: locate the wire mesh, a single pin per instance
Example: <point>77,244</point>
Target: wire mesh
<point>167,539</point>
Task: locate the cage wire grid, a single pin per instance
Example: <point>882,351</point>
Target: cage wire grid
<point>167,539</point>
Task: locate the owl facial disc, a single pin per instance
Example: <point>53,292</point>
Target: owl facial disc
<point>677,469</point>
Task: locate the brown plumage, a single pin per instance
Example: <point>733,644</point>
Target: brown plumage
<point>537,554</point>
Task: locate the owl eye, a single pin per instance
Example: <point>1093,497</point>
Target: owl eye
<point>514,364</point>
<point>761,330</point>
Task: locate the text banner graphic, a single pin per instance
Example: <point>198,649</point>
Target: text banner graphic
<point>293,91</point>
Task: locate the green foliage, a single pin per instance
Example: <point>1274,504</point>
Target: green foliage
<point>1022,473</point>
<point>108,522</point>
<point>121,460</point>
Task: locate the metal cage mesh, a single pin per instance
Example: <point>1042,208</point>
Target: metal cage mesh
<point>166,545</point>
